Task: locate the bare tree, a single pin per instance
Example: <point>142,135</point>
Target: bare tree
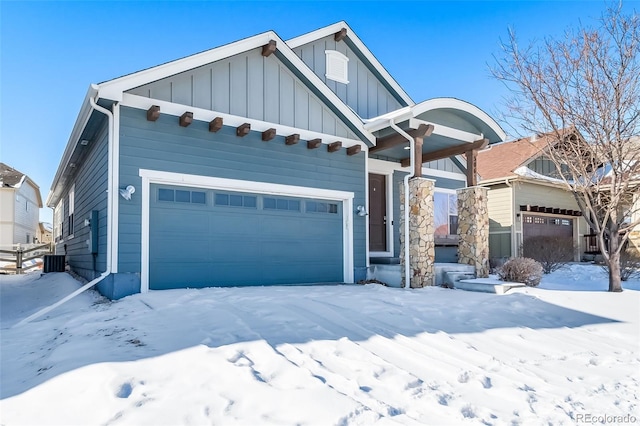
<point>585,90</point>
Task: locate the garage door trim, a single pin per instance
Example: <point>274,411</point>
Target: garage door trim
<point>178,179</point>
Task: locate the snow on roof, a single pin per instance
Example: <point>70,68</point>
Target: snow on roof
<point>10,177</point>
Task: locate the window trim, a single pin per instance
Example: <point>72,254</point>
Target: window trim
<point>71,210</point>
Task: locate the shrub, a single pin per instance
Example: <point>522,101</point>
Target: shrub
<point>552,252</point>
<point>629,265</point>
<point>521,270</point>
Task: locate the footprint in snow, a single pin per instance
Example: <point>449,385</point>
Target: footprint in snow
<point>125,390</point>
<point>463,377</point>
<point>468,412</point>
<point>486,382</point>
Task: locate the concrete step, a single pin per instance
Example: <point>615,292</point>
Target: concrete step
<point>487,285</point>
<point>451,278</point>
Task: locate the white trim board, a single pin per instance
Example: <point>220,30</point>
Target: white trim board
<point>179,179</point>
<point>144,103</point>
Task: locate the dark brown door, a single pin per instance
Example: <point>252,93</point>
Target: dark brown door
<point>377,212</point>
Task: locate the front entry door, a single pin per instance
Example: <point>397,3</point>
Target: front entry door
<point>377,212</point>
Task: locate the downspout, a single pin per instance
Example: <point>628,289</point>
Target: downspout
<point>110,192</point>
<point>407,269</point>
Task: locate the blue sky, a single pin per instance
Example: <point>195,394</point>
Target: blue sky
<point>51,51</point>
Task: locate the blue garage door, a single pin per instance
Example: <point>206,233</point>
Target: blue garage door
<point>202,238</point>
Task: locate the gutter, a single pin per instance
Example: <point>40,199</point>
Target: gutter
<point>111,182</point>
<point>407,269</point>
<point>111,203</point>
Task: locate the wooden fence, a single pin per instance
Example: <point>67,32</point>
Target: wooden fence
<point>18,259</point>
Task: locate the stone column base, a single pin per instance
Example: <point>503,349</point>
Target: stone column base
<point>421,233</point>
<point>473,229</point>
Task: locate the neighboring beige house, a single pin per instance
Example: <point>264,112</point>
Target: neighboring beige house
<point>20,201</point>
<point>45,233</point>
<point>525,200</point>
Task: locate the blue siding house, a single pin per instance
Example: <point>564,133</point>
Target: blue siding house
<point>260,162</point>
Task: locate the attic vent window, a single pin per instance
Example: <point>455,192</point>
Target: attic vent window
<point>337,66</point>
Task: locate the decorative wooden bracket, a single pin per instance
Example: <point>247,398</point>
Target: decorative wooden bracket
<point>340,34</point>
<point>292,139</point>
<point>269,48</point>
<point>423,131</point>
<point>186,119</point>
<point>353,150</point>
<point>449,152</point>
<point>153,113</point>
<point>268,134</point>
<point>334,147</point>
<point>243,129</point>
<point>215,124</point>
<point>314,143</point>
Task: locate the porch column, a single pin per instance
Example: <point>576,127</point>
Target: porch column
<point>421,232</point>
<point>473,229</point>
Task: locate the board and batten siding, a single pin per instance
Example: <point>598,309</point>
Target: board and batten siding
<point>445,165</point>
<point>364,93</point>
<point>164,145</point>
<point>500,206</point>
<point>91,184</point>
<point>253,86</point>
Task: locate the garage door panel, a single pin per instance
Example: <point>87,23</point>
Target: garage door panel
<point>171,222</point>
<point>234,240</point>
<point>233,249</point>
<point>177,250</point>
<point>232,224</point>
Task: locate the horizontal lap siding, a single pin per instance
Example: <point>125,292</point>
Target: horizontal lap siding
<point>539,195</point>
<point>500,206</point>
<point>164,145</point>
<point>91,182</point>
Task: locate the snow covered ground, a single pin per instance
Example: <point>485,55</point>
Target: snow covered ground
<point>322,355</point>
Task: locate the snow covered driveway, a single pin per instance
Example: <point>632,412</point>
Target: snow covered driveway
<point>320,355</point>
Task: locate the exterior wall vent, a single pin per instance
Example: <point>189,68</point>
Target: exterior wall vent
<point>337,66</point>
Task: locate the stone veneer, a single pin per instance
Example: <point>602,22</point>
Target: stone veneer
<point>473,229</point>
<point>421,232</point>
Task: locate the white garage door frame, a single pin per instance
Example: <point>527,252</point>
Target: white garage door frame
<point>179,179</point>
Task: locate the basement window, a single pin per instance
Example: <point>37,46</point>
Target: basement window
<point>337,66</point>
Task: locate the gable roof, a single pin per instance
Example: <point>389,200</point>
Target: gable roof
<point>361,50</point>
<point>10,177</point>
<point>114,89</point>
<point>502,159</point>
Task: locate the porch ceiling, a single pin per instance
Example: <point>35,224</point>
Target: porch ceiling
<point>457,126</point>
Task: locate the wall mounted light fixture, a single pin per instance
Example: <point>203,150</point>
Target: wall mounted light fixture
<point>127,192</point>
<point>361,211</point>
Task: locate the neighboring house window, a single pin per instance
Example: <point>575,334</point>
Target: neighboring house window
<point>72,201</point>
<point>544,166</point>
<point>26,205</point>
<point>445,212</point>
<point>57,222</point>
<point>337,66</point>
